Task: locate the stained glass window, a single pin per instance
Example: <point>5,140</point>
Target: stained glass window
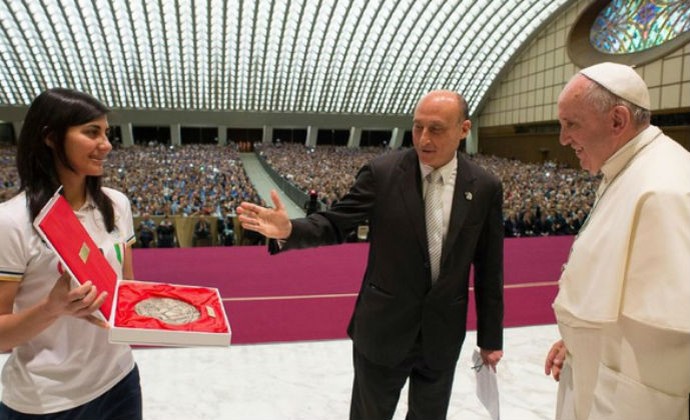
<point>626,26</point>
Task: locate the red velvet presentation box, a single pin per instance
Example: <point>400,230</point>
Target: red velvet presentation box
<point>209,328</point>
<point>206,326</point>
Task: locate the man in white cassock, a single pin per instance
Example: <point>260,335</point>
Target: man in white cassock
<point>623,306</point>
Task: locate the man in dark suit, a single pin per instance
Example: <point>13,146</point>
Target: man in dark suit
<point>409,319</point>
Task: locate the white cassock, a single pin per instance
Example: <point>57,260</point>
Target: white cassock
<point>623,306</point>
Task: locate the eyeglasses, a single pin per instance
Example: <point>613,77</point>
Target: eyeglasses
<point>477,368</point>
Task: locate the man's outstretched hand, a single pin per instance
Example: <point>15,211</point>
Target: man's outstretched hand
<point>272,223</point>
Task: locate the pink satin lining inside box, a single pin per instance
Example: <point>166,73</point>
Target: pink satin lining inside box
<point>206,301</point>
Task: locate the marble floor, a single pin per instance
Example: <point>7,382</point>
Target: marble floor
<point>311,381</point>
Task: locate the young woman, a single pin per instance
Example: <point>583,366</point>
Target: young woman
<point>62,365</point>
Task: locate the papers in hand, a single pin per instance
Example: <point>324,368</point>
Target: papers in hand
<point>487,385</point>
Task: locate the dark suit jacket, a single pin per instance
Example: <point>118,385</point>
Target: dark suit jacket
<point>396,300</point>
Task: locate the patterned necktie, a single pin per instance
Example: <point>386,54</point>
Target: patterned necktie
<point>433,210</point>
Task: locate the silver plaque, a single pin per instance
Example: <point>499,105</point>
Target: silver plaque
<point>168,310</point>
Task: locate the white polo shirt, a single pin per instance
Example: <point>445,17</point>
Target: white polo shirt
<point>71,362</point>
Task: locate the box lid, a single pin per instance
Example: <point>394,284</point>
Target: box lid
<point>57,224</point>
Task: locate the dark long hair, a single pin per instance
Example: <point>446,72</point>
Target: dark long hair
<point>50,115</point>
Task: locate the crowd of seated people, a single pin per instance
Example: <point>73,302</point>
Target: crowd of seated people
<point>191,180</point>
<point>180,180</point>
<point>9,180</point>
<point>542,199</point>
<point>160,180</point>
<point>328,170</point>
<point>539,199</point>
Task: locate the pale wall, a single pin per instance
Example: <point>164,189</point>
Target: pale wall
<point>529,91</point>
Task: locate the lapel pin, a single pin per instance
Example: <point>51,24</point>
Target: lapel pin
<point>468,196</point>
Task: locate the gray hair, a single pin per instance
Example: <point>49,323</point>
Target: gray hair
<point>603,100</point>
<point>464,108</point>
